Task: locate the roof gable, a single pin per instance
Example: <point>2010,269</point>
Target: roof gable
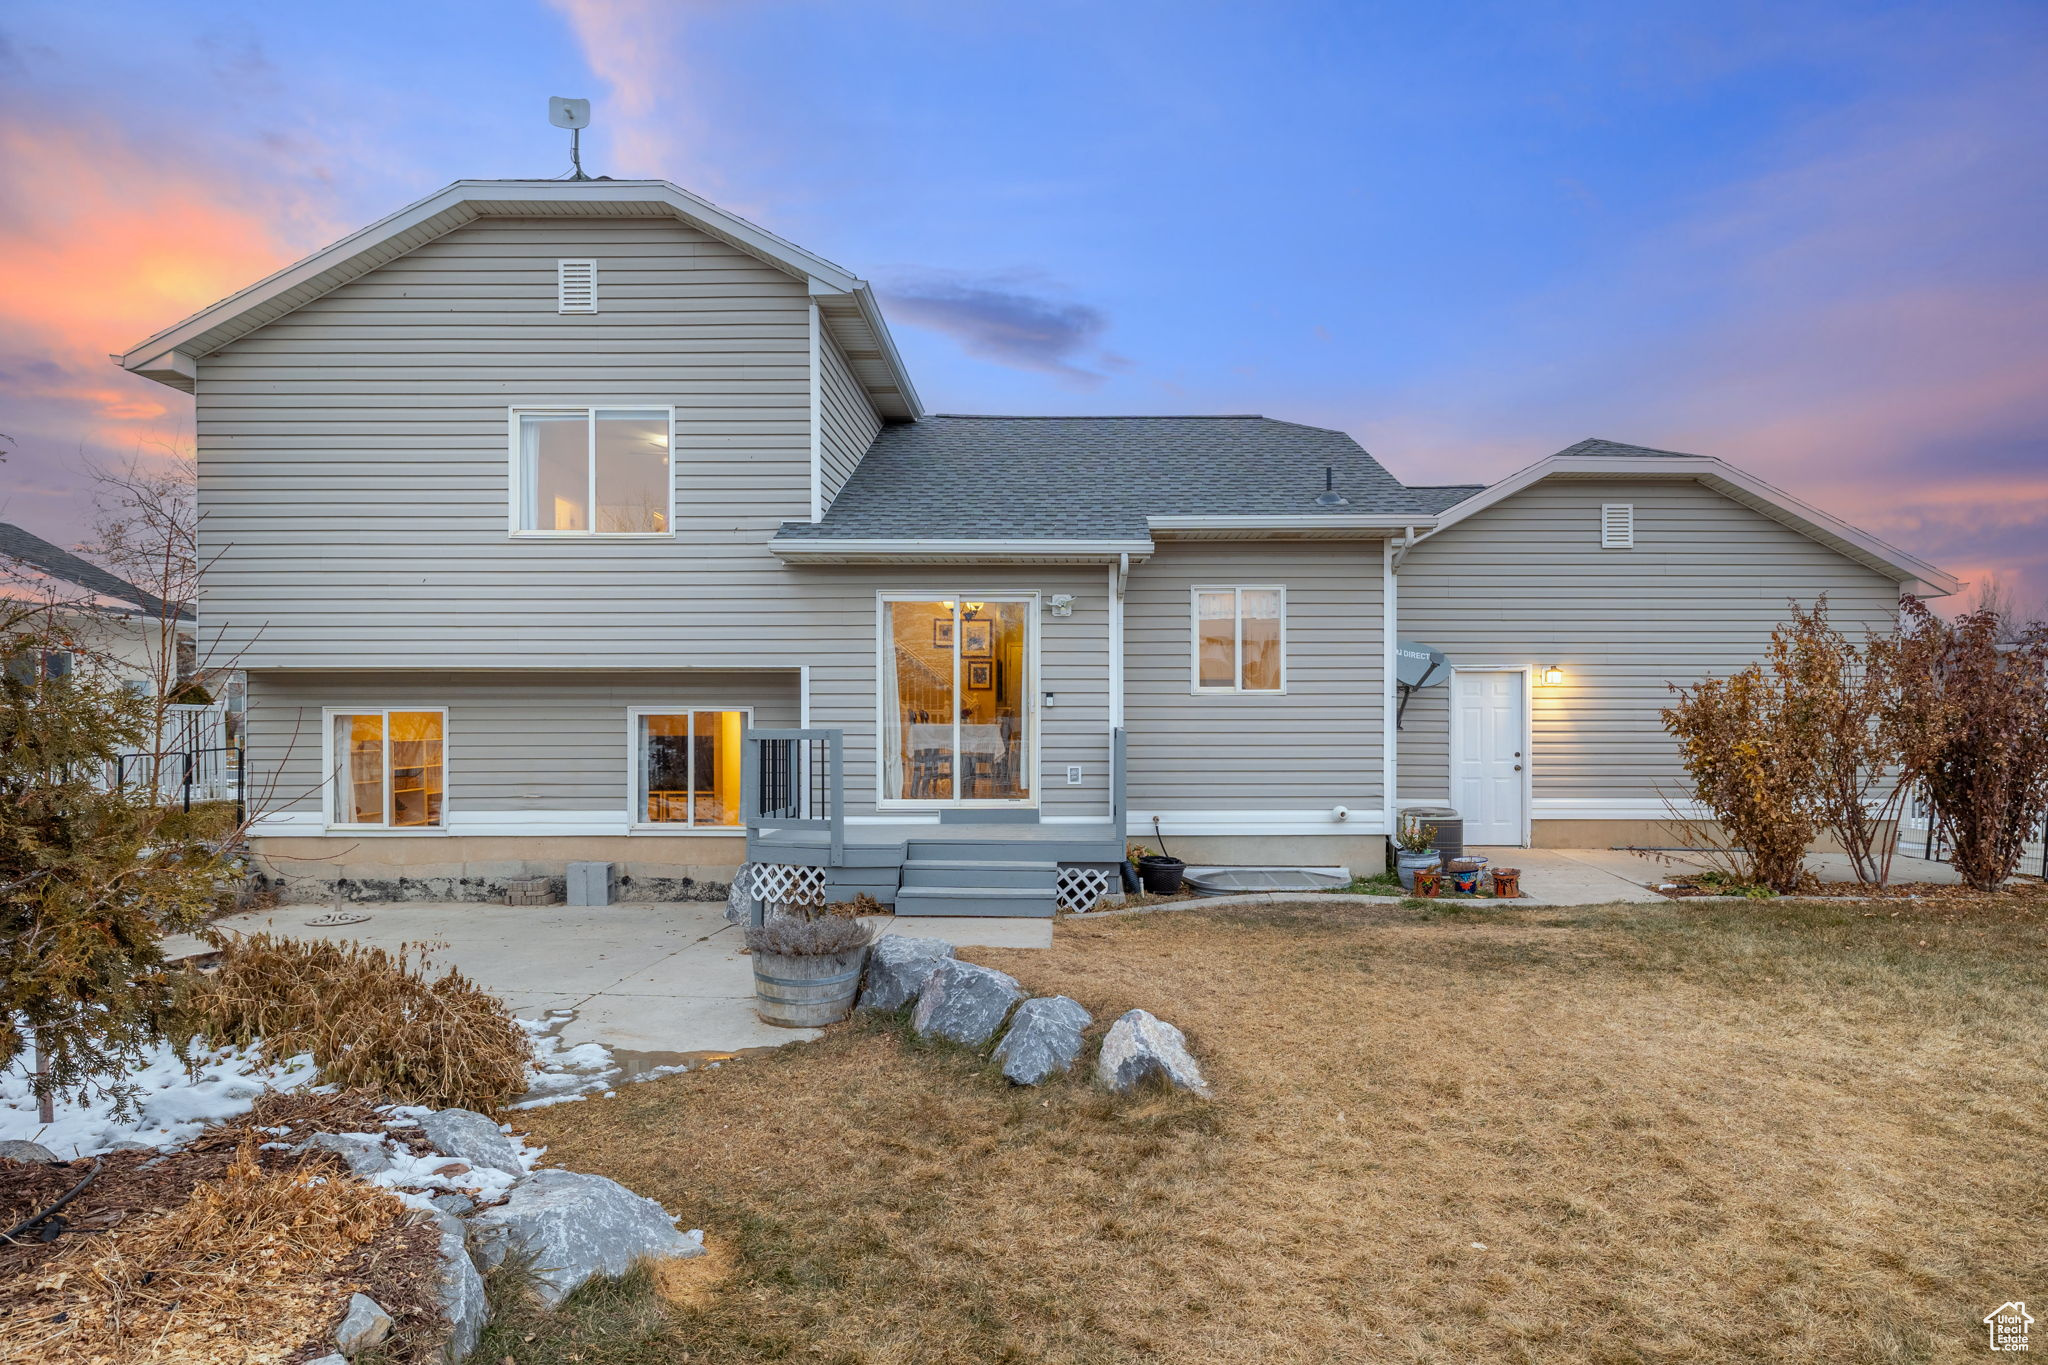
<point>845,302</point>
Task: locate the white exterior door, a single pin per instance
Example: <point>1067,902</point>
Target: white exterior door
<point>1488,759</point>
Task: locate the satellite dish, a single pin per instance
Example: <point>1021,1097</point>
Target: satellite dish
<point>1417,665</point>
<point>568,113</point>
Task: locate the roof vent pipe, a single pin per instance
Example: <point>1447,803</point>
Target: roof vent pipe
<point>1330,497</point>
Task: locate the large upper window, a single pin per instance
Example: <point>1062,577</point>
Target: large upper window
<point>388,768</point>
<point>592,471</point>
<point>1240,639</point>
<point>686,768</point>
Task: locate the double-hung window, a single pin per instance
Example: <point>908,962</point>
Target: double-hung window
<point>593,471</point>
<point>389,769</point>
<point>686,768</point>
<point>1240,639</point>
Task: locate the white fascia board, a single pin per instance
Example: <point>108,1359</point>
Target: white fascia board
<point>466,200</point>
<point>1727,479</point>
<point>1366,525</point>
<point>924,551</point>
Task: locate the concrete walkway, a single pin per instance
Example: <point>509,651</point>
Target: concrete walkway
<point>653,980</point>
<point>1595,876</point>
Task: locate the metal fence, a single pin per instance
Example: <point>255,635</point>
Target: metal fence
<point>1920,836</point>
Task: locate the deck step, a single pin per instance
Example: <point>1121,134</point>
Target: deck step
<point>980,872</point>
<point>975,900</point>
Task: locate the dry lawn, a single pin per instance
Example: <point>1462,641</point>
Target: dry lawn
<point>1776,1132</point>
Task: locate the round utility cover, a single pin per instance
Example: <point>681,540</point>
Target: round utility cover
<point>1420,665</point>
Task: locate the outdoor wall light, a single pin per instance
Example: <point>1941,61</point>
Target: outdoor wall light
<point>1552,676</point>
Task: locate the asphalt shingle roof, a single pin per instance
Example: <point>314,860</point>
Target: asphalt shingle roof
<point>1593,445</point>
<point>26,547</point>
<point>955,477</point>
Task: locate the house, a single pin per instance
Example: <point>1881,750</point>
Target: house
<point>585,520</point>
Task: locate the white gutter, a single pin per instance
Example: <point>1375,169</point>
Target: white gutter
<point>912,551</point>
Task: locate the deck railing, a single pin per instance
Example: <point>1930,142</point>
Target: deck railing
<point>796,779</point>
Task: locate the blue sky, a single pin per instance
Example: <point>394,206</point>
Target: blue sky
<point>1806,237</point>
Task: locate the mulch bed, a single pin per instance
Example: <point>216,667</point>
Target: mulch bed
<point>401,1270</point>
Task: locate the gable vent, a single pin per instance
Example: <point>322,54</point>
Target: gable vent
<point>1617,525</point>
<point>576,286</point>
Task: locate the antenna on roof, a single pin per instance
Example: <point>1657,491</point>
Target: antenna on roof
<point>575,116</point>
<point>1330,497</point>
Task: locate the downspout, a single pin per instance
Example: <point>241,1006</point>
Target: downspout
<point>817,420</point>
<point>1390,734</point>
<point>1119,573</point>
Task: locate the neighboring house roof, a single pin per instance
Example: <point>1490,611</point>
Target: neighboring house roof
<point>1103,481</point>
<point>26,547</point>
<point>1598,459</point>
<point>845,302</point>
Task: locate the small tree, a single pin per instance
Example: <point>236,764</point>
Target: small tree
<point>1973,724</point>
<point>1744,741</point>
<point>1844,705</point>
<point>92,871</point>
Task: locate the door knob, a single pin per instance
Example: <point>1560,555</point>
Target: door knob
<point>1518,767</point>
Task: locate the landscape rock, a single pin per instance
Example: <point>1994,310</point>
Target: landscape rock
<point>963,1002</point>
<point>1044,1039</point>
<point>363,1327</point>
<point>17,1150</point>
<point>897,967</point>
<point>461,1292</point>
<point>457,1204</point>
<point>467,1134</point>
<point>1139,1046</point>
<point>575,1226</point>
<point>365,1153</point>
<point>331,1358</point>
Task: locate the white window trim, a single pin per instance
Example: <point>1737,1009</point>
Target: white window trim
<point>636,794</point>
<point>1236,689</point>
<point>1032,645</point>
<point>330,768</point>
<point>1627,541</point>
<point>515,481</point>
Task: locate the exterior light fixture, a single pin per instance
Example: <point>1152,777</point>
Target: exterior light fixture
<point>1552,676</point>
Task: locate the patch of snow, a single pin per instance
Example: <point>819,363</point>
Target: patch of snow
<point>168,1106</point>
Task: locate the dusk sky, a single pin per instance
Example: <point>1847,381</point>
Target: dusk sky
<point>1809,238</point>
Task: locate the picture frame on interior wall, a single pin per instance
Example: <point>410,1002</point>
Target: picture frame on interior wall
<point>942,632</point>
<point>977,639</point>
<point>980,674</point>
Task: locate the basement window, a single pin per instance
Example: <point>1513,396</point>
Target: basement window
<point>389,769</point>
<point>686,768</point>
<point>592,471</point>
<point>1617,525</point>
<point>576,286</point>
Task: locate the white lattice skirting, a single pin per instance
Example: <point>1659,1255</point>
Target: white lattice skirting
<point>788,884</point>
<point>1080,887</point>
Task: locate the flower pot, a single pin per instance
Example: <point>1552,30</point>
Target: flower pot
<point>1507,882</point>
<point>1429,882</point>
<point>1407,864</point>
<point>1161,875</point>
<point>1464,874</point>
<point>809,991</point>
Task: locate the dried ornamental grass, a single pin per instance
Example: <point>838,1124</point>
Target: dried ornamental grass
<point>369,1018</point>
<point>247,1269</point>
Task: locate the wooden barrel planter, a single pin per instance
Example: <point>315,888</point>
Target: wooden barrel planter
<point>806,992</point>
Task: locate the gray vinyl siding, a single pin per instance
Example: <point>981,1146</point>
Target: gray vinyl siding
<point>1526,583</point>
<point>841,647</point>
<point>354,457</point>
<point>1319,745</point>
<point>513,742</point>
<point>846,420</point>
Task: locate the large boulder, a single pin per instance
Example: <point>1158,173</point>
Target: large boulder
<point>1044,1039</point>
<point>897,967</point>
<point>365,1153</point>
<point>461,1291</point>
<point>575,1226</point>
<point>14,1149</point>
<point>363,1327</point>
<point>467,1134</point>
<point>964,1003</point>
<point>1139,1046</point>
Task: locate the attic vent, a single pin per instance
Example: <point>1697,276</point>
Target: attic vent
<point>1617,525</point>
<point>576,286</point>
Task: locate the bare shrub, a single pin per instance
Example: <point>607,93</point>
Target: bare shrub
<point>369,1018</point>
<point>793,936</point>
<point>255,1258</point>
<point>1973,723</point>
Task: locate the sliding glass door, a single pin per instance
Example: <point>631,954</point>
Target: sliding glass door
<point>956,700</point>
